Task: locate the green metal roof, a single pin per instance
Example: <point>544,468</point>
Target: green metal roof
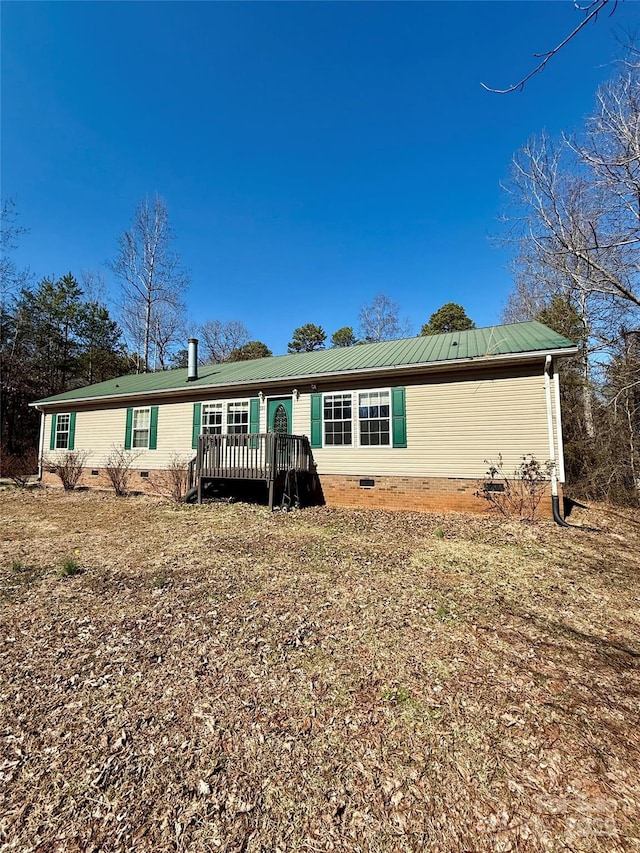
<point>490,343</point>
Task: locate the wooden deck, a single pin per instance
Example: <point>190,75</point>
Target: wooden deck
<point>280,461</point>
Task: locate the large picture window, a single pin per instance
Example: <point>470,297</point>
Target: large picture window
<point>373,418</point>
<point>212,418</point>
<point>367,418</point>
<point>337,413</point>
<point>141,428</point>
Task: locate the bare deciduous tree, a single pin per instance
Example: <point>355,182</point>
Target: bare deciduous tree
<point>152,280</point>
<point>168,333</point>
<point>219,339</point>
<point>591,9</point>
<point>11,278</point>
<point>576,228</point>
<point>380,321</point>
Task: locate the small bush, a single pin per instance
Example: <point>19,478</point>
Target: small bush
<point>118,467</point>
<point>68,467</point>
<point>518,495</point>
<point>174,482</point>
<point>70,567</point>
<point>160,581</point>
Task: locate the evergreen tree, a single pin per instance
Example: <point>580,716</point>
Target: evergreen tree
<point>53,341</point>
<point>102,352</point>
<point>307,338</point>
<point>250,350</point>
<point>49,318</point>
<point>450,318</point>
<point>344,337</point>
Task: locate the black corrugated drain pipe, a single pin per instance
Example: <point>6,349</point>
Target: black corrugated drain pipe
<point>555,505</point>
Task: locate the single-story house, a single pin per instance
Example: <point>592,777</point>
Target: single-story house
<point>403,424</point>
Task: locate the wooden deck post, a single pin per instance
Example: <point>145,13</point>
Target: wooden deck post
<point>273,443</point>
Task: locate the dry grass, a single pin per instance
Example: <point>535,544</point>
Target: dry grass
<point>218,678</point>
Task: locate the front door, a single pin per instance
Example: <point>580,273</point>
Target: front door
<point>279,415</point>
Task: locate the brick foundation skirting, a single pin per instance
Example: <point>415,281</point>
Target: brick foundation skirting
<point>415,494</point>
<point>155,483</point>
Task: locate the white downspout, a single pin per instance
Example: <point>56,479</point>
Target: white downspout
<point>41,444</point>
<point>556,393</point>
<point>555,501</point>
<point>548,366</point>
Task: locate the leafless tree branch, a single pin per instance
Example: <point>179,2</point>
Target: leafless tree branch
<point>592,11</point>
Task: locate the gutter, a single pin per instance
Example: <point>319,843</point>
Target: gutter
<point>432,366</point>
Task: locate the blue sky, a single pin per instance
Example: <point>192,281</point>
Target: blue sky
<point>311,154</point>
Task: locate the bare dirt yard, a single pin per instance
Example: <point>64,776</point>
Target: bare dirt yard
<point>220,678</point>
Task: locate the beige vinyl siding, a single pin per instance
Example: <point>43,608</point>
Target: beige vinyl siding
<point>454,423</point>
<point>452,427</point>
<point>98,431</point>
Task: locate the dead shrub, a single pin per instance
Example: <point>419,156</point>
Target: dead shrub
<point>19,467</point>
<point>68,467</point>
<point>174,481</point>
<point>118,466</point>
<point>517,495</point>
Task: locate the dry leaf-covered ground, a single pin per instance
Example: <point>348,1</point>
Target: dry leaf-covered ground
<point>220,678</point>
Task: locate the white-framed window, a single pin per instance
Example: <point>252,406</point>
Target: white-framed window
<point>362,418</point>
<point>374,425</point>
<point>338,419</point>
<point>212,418</point>
<point>141,428</point>
<point>63,431</point>
<point>238,416</point>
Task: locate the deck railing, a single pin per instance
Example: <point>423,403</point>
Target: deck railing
<point>251,456</point>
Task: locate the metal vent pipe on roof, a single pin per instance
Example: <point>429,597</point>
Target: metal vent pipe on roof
<point>192,362</point>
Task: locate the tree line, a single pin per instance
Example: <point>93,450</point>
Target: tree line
<point>380,321</point>
<point>58,334</point>
<point>573,223</point>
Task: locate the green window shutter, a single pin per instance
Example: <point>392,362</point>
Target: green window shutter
<point>254,415</point>
<point>52,443</point>
<point>197,420</point>
<point>72,430</point>
<point>399,417</point>
<point>127,430</point>
<point>153,428</point>
<point>316,420</point>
